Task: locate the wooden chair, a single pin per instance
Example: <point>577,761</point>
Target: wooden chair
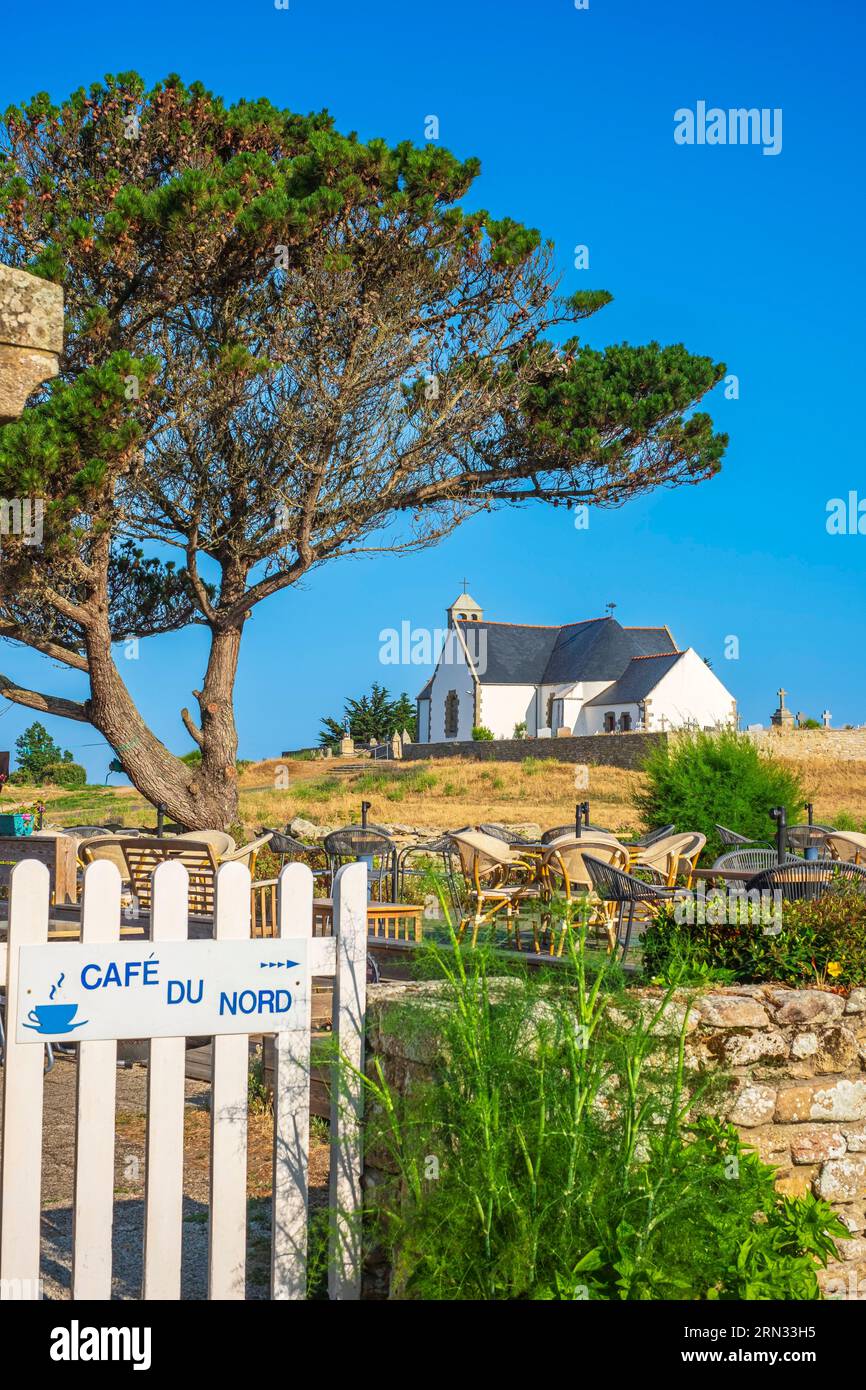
<point>143,855</point>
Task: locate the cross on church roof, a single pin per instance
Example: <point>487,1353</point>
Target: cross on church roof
<point>782,692</point>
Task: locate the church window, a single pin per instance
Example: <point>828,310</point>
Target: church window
<point>452,712</point>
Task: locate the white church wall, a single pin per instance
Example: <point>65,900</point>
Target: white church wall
<point>452,673</point>
<point>690,693</point>
<point>503,706</point>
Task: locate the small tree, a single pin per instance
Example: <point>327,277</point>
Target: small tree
<point>283,346</point>
<point>36,750</point>
<point>372,716</point>
<point>700,780</point>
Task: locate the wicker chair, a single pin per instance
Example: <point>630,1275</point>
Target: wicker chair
<point>497,879</point>
<point>846,845</point>
<point>626,894</point>
<point>732,838</point>
<point>670,854</point>
<point>502,832</point>
<point>354,842</point>
<point>443,847</point>
<point>803,837</point>
<point>220,841</point>
<point>564,869</point>
<point>809,879</point>
<point>559,832</point>
<point>754,858</point>
<point>650,837</point>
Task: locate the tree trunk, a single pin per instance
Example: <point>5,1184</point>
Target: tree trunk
<point>196,797</point>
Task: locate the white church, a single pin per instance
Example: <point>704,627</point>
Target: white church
<point>592,677</point>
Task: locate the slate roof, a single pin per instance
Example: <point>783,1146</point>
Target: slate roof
<point>641,676</point>
<point>598,649</point>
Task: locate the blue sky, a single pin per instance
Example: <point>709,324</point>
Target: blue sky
<point>753,259</point>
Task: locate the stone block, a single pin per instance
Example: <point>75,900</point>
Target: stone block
<point>822,1100</point>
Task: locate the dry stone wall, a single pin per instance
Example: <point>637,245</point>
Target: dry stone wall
<point>840,745</point>
<point>795,1065</point>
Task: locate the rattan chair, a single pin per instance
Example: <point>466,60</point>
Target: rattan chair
<point>809,879</point>
<point>443,847</point>
<point>846,845</point>
<point>354,842</point>
<point>220,841</point>
<point>754,858</point>
<point>673,855</point>
<point>627,895</point>
<point>651,837</point>
<point>502,832</point>
<point>559,832</point>
<point>497,880</point>
<point>733,839</point>
<point>564,870</point>
<point>803,837</point>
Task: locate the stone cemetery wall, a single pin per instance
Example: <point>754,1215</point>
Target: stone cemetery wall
<point>795,1065</point>
<point>607,750</point>
<point>840,745</point>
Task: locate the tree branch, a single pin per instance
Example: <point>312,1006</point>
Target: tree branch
<point>47,704</point>
<point>192,729</point>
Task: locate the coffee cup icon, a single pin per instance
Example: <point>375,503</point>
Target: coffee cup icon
<point>54,1018</point>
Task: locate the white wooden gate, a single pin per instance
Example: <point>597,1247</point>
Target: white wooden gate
<point>341,957</point>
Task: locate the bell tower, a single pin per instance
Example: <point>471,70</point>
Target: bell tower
<point>464,609</point>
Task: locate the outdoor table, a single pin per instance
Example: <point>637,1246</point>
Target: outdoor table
<point>384,920</point>
<point>727,875</point>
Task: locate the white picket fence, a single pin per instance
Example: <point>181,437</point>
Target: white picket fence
<point>341,957</point>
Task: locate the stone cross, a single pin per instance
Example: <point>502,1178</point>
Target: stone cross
<point>781,694</point>
<point>825,718</point>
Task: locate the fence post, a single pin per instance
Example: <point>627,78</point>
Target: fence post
<point>163,1203</point>
<point>347,1093</point>
<point>292,1108</point>
<point>227,1231</point>
<point>21,1182</point>
<point>93,1210</point>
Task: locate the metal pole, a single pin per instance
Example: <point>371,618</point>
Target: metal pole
<point>160,818</point>
<point>577,810</point>
<point>780,816</point>
<point>365,806</point>
<point>809,809</point>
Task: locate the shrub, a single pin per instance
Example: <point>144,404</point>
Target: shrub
<point>699,780</point>
<point>560,1143</point>
<point>481,734</point>
<point>65,774</point>
<point>821,942</point>
<point>520,730</point>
